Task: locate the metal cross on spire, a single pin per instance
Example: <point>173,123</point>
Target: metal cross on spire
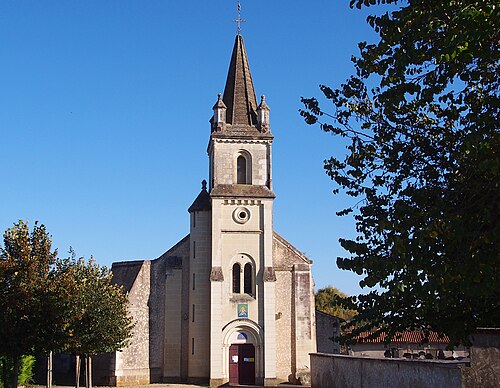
<point>239,20</point>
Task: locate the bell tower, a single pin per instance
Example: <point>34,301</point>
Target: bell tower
<point>242,280</point>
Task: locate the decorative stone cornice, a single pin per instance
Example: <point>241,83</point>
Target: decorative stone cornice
<point>237,135</point>
<point>301,267</point>
<point>242,191</point>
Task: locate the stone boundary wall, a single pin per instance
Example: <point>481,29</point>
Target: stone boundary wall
<point>481,370</point>
<point>485,360</point>
<point>336,371</point>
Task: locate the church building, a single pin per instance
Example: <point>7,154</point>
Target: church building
<point>233,301</point>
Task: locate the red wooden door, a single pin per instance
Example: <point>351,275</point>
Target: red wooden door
<point>247,364</point>
<point>233,364</point>
<point>242,364</point>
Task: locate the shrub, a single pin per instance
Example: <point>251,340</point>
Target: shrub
<point>26,366</point>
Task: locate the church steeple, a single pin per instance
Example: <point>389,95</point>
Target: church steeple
<point>239,93</point>
<point>240,147</point>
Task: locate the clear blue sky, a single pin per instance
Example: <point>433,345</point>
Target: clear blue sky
<point>104,109</point>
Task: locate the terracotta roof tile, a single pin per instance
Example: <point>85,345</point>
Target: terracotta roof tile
<point>405,336</point>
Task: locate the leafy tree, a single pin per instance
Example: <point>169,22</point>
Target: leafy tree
<point>421,120</point>
<point>328,300</point>
<point>25,262</point>
<point>53,304</point>
<point>97,317</point>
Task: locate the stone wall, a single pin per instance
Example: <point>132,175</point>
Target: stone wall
<point>226,153</point>
<point>175,283</point>
<point>336,371</point>
<point>481,370</point>
<point>156,305</point>
<point>285,325</point>
<point>327,327</point>
<point>484,357</point>
<point>295,320</point>
<point>132,364</point>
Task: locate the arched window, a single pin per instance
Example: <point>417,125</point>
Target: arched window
<point>248,286</point>
<point>241,336</point>
<point>236,279</point>
<point>241,173</point>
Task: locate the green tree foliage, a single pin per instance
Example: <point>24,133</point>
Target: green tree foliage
<point>25,262</point>
<point>421,119</point>
<point>97,319</point>
<point>53,304</point>
<point>328,300</point>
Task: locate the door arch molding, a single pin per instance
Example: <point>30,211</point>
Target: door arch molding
<point>255,335</point>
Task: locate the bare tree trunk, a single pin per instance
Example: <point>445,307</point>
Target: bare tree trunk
<point>5,372</point>
<point>49,370</point>
<point>88,374</point>
<point>15,371</point>
<point>77,371</point>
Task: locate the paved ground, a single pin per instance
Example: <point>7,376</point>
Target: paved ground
<point>188,386</point>
<point>225,386</point>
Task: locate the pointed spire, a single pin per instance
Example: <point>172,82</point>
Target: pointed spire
<point>263,115</point>
<point>219,118</point>
<point>202,201</point>
<point>239,94</point>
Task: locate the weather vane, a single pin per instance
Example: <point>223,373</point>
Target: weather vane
<point>239,20</point>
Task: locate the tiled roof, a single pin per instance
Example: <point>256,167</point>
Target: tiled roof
<point>241,191</point>
<point>239,94</point>
<point>329,316</point>
<point>202,201</point>
<point>415,337</point>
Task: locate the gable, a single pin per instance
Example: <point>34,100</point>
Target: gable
<point>125,273</point>
<point>173,257</point>
<point>285,255</point>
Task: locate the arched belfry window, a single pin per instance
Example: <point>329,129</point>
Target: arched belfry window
<point>236,279</point>
<point>244,168</point>
<point>248,279</point>
<point>241,165</point>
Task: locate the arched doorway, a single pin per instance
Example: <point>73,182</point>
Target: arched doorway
<point>242,364</point>
<point>243,352</point>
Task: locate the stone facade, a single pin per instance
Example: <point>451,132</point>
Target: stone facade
<point>233,300</point>
<point>327,327</point>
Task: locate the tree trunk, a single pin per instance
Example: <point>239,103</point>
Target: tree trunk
<point>49,370</point>
<point>77,371</point>
<point>15,370</point>
<point>5,372</point>
<point>88,371</point>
